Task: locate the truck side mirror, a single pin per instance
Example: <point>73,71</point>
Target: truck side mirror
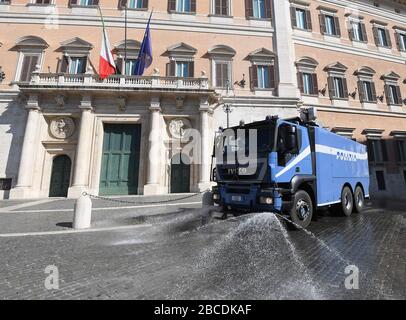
<point>291,143</point>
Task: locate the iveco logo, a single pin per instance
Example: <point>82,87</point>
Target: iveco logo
<point>346,156</point>
<point>238,171</point>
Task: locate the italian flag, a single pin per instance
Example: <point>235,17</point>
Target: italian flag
<point>106,63</point>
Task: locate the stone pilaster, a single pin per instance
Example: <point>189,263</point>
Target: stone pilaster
<point>83,150</point>
<point>204,176</point>
<point>28,152</point>
<point>284,48</point>
<point>154,154</point>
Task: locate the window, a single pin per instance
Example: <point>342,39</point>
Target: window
<point>393,95</point>
<point>377,150</point>
<point>5,1</point>
<point>308,83</point>
<point>130,67</point>
<point>182,6</point>
<point>329,25</point>
<point>357,32</point>
<point>28,66</point>
<point>337,87</point>
<point>137,4</point>
<point>301,18</point>
<point>401,148</point>
<point>258,9</point>
<point>223,74</point>
<point>222,7</point>
<point>5,183</point>
<point>74,65</point>
<point>382,37</point>
<point>401,41</point>
<point>183,69</point>
<point>367,91</point>
<point>83,3</point>
<point>41,1</point>
<point>262,77</point>
<point>380,179</point>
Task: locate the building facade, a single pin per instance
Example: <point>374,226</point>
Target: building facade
<point>64,131</point>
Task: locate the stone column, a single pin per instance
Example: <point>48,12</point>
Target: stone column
<point>284,48</point>
<point>28,152</point>
<point>154,154</point>
<point>205,161</point>
<point>83,150</point>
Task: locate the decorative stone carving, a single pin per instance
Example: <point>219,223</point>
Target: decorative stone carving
<point>122,103</point>
<point>178,127</point>
<point>156,72</point>
<point>180,101</point>
<point>60,101</point>
<point>62,127</point>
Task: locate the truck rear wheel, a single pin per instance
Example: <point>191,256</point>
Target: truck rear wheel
<point>359,200</point>
<point>302,210</point>
<point>347,201</point>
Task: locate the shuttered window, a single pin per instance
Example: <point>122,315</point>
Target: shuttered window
<point>401,41</point>
<point>84,3</point>
<point>382,37</point>
<point>307,83</point>
<point>222,74</point>
<point>134,4</point>
<point>182,6</point>
<point>42,1</point>
<point>28,66</point>
<point>262,77</point>
<point>367,91</point>
<point>301,18</point>
<point>77,65</point>
<point>329,25</point>
<point>222,7</point>
<point>258,9</point>
<point>357,32</point>
<point>183,69</point>
<point>337,87</point>
<point>377,151</point>
<point>393,95</point>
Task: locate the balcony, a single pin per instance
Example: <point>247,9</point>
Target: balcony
<point>62,81</point>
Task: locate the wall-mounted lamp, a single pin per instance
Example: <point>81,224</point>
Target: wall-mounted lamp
<point>2,75</point>
<point>242,82</point>
<point>323,91</point>
<point>380,98</point>
<point>353,94</point>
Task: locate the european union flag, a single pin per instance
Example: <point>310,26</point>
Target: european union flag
<point>145,56</point>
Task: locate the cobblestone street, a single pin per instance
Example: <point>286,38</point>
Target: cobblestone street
<point>181,252</point>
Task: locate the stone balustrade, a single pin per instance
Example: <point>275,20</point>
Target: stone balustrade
<point>117,81</point>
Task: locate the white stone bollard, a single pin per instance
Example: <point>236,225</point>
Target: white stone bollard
<point>207,199</point>
<point>82,215</point>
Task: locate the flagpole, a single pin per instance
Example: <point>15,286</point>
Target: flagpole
<point>125,39</point>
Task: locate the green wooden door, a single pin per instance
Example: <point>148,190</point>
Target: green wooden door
<point>121,158</point>
<point>60,176</point>
<point>180,175</point>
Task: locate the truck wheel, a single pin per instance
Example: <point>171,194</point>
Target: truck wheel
<point>359,200</point>
<point>347,201</point>
<point>302,210</point>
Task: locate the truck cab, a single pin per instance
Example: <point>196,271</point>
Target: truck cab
<point>289,166</point>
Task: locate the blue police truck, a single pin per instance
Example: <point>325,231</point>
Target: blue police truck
<point>299,167</point>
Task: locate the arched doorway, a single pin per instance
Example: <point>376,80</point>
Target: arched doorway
<point>60,177</point>
<point>180,174</point>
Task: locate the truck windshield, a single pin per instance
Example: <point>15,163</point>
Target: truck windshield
<point>264,139</point>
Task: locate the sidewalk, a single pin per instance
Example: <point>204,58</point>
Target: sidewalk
<point>49,215</point>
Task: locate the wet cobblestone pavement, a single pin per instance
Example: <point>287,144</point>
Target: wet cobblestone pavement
<point>189,255</point>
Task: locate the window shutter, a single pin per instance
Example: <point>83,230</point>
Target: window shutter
<point>388,39</point>
<point>361,92</point>
<point>345,88</point>
<point>122,4</point>
<point>95,2</point>
<point>308,20</point>
<point>351,32</point>
<point>170,69</point>
<point>28,67</point>
<point>300,81</point>
<point>191,67</point>
<point>398,93</point>
<point>337,26</point>
<point>387,94</point>
<point>253,77</point>
<point>84,65</point>
<point>73,2</point>
<point>370,150</point>
<point>219,77</point>
<point>373,89</point>
<point>268,12</point>
<point>330,83</point>
<point>47,1</point>
<point>293,16</point>
<point>398,150</point>
<point>145,4</point>
<point>193,6</point>
<point>171,5</point>
<point>315,84</point>
<point>364,33</point>
<point>120,68</point>
<point>376,38</point>
<point>218,7</point>
<point>249,10</point>
<point>397,39</point>
<point>224,7</point>
<point>322,19</point>
<point>64,64</point>
<point>384,151</point>
<point>271,70</point>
